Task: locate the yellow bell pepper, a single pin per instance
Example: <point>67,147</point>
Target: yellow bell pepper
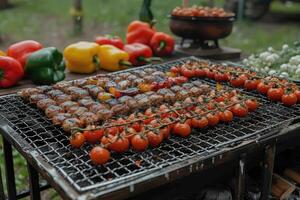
<point>2,53</point>
<point>113,59</point>
<point>82,57</point>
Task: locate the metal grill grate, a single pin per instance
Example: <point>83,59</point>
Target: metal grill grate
<point>74,164</point>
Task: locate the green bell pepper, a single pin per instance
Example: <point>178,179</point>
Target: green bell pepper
<point>45,66</point>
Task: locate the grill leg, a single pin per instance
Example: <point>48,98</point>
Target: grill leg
<point>9,170</point>
<point>240,179</point>
<point>268,166</point>
<point>34,186</point>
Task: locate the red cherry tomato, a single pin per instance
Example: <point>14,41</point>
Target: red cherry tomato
<point>239,110</point>
<point>182,129</point>
<point>275,94</point>
<point>77,140</point>
<point>263,87</point>
<point>139,143</point>
<point>154,139</point>
<point>119,144</point>
<point>93,136</point>
<point>289,99</point>
<point>226,116</point>
<point>252,104</point>
<point>251,84</point>
<point>199,123</point>
<point>213,119</point>
<point>99,155</point>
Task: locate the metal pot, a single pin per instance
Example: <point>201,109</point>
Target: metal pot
<point>201,28</point>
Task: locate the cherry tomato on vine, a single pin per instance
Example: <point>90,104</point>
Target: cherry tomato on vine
<point>275,94</point>
<point>182,129</point>
<point>154,138</point>
<point>237,82</point>
<point>181,79</point>
<point>165,132</point>
<point>77,140</point>
<point>252,104</point>
<point>187,73</point>
<point>174,70</point>
<point>289,99</point>
<point>113,130</point>
<point>199,72</point>
<point>93,136</point>
<point>139,143</point>
<point>119,144</point>
<point>297,93</point>
<point>199,123</point>
<point>226,116</point>
<point>213,119</point>
<point>99,155</point>
<point>251,84</point>
<point>239,110</point>
<point>263,87</point>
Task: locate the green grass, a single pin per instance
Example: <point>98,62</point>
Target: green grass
<point>49,22</point>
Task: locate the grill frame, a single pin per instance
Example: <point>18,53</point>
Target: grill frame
<point>128,185</point>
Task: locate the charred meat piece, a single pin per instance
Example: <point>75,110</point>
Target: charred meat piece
<point>70,123</point>
<point>137,81</point>
<point>132,103</point>
<point>149,93</point>
<point>156,99</point>
<point>123,84</point>
<point>60,118</point>
<point>112,102</point>
<point>120,109</point>
<point>183,94</point>
<point>124,99</point>
<point>102,81</point>
<point>93,90</point>
<point>72,110</point>
<point>124,75</point>
<point>104,114</point>
<point>168,95</point>
<point>130,91</point>
<point>195,91</point>
<point>197,83</point>
<point>80,111</point>
<point>159,73</point>
<point>45,103</point>
<point>53,110</point>
<point>54,93</point>
<point>117,79</point>
<point>36,97</point>
<point>68,104</point>
<point>140,73</point>
<point>97,107</point>
<point>176,88</point>
<point>62,85</point>
<point>62,98</point>
<point>89,118</point>
<point>149,70</point>
<point>86,102</point>
<point>80,82</point>
<point>187,86</point>
<point>44,88</point>
<point>26,93</point>
<point>77,93</point>
<point>144,102</point>
<point>131,77</point>
<point>150,79</point>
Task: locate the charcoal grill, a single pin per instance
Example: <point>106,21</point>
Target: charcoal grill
<point>71,172</point>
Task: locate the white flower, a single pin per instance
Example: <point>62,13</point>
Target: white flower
<point>263,55</point>
<point>251,57</point>
<point>266,69</point>
<point>270,59</point>
<point>297,71</point>
<point>295,60</point>
<point>285,47</point>
<point>284,75</point>
<point>270,49</point>
<point>272,72</point>
<point>284,67</point>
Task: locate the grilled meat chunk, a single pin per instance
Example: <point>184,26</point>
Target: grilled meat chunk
<point>89,118</point>
<point>54,93</point>
<point>93,90</point>
<point>86,102</point>
<point>70,123</point>
<point>120,109</point>
<point>68,104</point>
<point>97,107</point>
<point>60,118</point>
<point>45,103</point>
<point>80,111</point>
<point>53,110</point>
<point>77,93</point>
<point>104,114</point>
<point>36,97</point>
<point>62,98</point>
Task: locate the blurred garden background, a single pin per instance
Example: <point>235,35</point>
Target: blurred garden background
<point>50,22</point>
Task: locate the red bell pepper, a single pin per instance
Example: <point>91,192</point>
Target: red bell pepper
<point>139,32</point>
<point>162,44</point>
<point>140,54</point>
<point>112,40</point>
<point>21,50</point>
<point>11,71</point>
